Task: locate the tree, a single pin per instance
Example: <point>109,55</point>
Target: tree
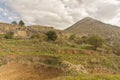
<point>51,35</point>
<point>95,41</point>
<point>21,23</point>
<point>14,23</point>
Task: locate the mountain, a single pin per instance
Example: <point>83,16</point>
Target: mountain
<point>89,26</point>
<point>92,26</point>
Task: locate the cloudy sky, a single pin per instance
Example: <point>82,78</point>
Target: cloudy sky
<point>59,13</point>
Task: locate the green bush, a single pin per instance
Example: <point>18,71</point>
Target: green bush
<point>8,36</point>
<point>72,37</point>
<point>51,35</point>
<point>53,61</point>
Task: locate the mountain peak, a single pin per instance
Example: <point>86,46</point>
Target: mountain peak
<point>89,19</point>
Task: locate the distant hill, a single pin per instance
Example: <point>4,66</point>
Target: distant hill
<point>89,26</point>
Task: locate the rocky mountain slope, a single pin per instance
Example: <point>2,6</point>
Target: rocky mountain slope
<point>92,26</point>
<point>89,26</point>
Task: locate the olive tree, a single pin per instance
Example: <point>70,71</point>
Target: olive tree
<point>95,41</point>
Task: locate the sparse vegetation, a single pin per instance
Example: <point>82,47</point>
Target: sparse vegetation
<point>82,40</point>
<point>91,77</point>
<point>40,37</point>
<point>35,36</point>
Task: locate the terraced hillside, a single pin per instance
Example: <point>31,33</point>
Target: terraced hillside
<point>34,58</point>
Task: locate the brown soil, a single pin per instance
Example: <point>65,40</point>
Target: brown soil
<point>28,71</point>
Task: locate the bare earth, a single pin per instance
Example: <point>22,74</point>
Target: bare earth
<point>23,71</point>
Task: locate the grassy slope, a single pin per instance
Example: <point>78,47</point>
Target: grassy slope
<point>91,77</point>
<point>34,47</point>
<point>90,59</point>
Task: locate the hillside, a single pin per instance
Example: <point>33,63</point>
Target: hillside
<point>30,55</point>
<point>24,32</point>
<point>89,26</point>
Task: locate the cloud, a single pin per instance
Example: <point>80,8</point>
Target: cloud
<point>63,13</point>
<point>103,9</point>
<point>44,12</point>
<point>5,14</point>
<point>107,11</point>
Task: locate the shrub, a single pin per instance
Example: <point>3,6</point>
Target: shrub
<point>21,23</point>
<point>72,37</point>
<point>95,41</point>
<point>55,61</point>
<point>35,36</point>
<point>51,35</point>
<point>82,40</point>
<point>14,23</point>
<point>8,36</point>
